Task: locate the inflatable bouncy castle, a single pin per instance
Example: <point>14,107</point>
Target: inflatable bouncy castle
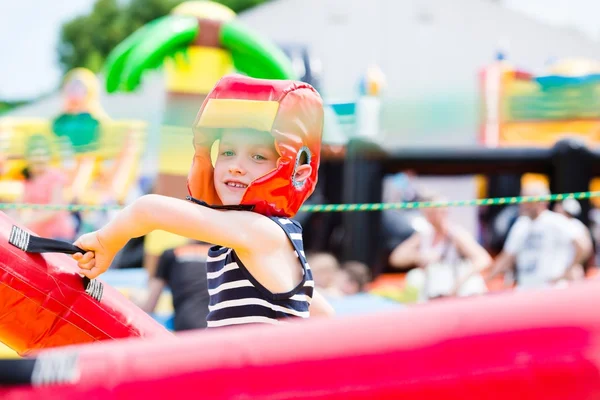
<point>521,108</point>
<point>100,155</point>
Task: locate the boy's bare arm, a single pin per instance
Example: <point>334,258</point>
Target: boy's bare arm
<point>235,229</point>
<point>242,231</point>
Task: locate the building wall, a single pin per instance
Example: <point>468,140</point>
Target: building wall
<point>430,51</point>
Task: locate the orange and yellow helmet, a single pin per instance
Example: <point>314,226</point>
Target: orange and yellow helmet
<point>291,111</point>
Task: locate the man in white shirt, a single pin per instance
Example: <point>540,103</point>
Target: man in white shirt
<point>571,209</point>
<point>542,245</point>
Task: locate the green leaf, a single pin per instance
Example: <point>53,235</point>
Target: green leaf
<point>253,54</point>
<point>116,60</point>
<point>165,37</point>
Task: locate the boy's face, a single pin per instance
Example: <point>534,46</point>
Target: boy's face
<point>244,155</point>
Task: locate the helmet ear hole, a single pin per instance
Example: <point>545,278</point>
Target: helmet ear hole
<point>302,158</point>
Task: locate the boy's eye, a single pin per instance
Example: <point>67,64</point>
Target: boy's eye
<point>227,153</point>
<point>259,157</point>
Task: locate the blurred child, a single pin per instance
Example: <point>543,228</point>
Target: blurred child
<point>353,277</point>
<point>45,185</point>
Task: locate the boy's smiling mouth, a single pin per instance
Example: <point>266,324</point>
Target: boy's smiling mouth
<point>235,184</point>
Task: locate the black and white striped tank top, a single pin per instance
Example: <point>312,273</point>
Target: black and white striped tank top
<point>237,298</point>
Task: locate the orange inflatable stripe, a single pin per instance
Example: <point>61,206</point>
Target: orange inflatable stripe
<point>17,332</point>
<point>43,303</point>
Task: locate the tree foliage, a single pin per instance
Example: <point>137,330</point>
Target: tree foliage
<point>6,106</point>
<point>86,40</point>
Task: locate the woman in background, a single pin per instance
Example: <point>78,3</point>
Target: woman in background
<point>449,260</point>
<point>44,185</point>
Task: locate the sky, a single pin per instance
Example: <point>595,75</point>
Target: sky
<point>28,57</point>
<point>28,40</point>
<point>582,14</point>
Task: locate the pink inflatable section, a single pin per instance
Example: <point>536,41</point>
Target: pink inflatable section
<point>530,345</point>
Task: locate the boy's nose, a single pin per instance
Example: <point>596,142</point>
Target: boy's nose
<point>236,169</point>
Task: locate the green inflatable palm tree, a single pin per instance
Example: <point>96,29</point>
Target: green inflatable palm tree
<point>194,28</point>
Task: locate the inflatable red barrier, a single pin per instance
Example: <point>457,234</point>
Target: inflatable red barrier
<point>43,303</point>
<point>536,345</point>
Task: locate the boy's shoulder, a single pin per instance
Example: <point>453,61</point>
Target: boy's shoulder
<point>286,222</point>
<point>269,231</point>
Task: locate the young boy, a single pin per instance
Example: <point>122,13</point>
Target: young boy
<point>268,137</point>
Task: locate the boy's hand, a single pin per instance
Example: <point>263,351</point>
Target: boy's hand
<point>97,258</point>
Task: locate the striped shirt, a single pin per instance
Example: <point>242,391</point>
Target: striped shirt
<point>237,298</point>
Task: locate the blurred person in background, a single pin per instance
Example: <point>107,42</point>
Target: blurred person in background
<point>595,231</point>
<point>353,278</point>
<point>325,269</point>
<point>183,271</point>
<point>4,150</point>
<point>3,163</point>
<point>44,184</point>
<point>355,296</point>
<point>449,260</point>
<point>399,225</point>
<point>571,209</point>
<point>543,246</point>
<point>5,136</point>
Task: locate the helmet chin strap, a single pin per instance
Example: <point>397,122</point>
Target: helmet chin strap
<point>239,207</point>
